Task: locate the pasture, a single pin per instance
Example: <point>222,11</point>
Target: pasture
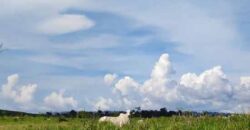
<point>235,122</point>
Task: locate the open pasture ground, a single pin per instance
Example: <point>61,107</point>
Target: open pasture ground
<point>236,122</point>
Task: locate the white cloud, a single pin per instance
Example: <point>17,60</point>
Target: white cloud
<point>110,78</point>
<point>104,104</point>
<point>209,84</point>
<point>128,96</point>
<point>160,83</point>
<point>163,68</point>
<point>126,86</point>
<point>57,101</point>
<point>65,23</point>
<point>123,103</point>
<point>210,90</point>
<point>242,95</point>
<point>22,95</point>
<point>245,81</point>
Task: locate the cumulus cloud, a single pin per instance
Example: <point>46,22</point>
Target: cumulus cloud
<point>126,85</point>
<point>57,101</point>
<point>209,84</point>
<point>242,95</point>
<point>110,78</point>
<point>65,23</point>
<point>22,95</point>
<point>160,83</point>
<point>211,90</point>
<point>162,68</point>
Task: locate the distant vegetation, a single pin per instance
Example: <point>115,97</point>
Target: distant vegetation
<point>137,112</point>
<point>14,113</point>
<point>149,120</point>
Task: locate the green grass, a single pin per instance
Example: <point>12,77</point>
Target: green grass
<point>237,122</point>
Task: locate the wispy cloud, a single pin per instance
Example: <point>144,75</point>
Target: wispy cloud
<point>66,23</point>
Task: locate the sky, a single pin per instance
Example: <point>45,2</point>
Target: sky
<point>117,55</point>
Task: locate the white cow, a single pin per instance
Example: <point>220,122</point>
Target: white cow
<point>120,120</point>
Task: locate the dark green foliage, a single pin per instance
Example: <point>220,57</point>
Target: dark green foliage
<point>14,113</point>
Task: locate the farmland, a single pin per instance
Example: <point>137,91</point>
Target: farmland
<point>233,122</point>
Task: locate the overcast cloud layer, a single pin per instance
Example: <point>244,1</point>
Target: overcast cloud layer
<point>95,54</point>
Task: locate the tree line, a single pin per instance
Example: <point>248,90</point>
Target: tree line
<point>137,112</point>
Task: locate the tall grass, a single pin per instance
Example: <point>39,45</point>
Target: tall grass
<point>237,122</point>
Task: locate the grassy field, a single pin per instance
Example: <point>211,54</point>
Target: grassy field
<point>238,122</point>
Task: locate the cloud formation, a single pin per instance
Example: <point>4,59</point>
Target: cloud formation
<point>22,95</point>
<point>65,23</point>
<point>211,90</point>
<point>57,101</point>
<point>21,98</point>
<point>193,26</point>
<point>103,104</point>
<point>110,78</point>
<point>126,85</point>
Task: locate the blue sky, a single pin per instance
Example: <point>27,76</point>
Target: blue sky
<point>94,54</point>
